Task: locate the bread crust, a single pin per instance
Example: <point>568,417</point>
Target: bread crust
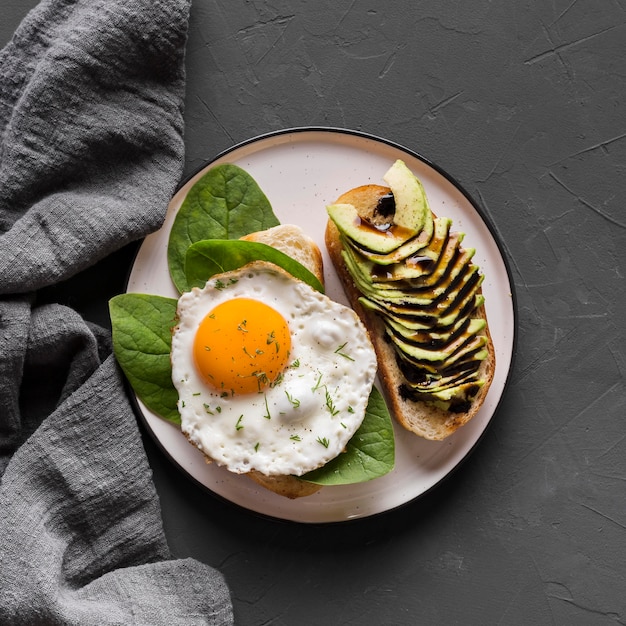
<point>292,241</point>
<point>420,417</point>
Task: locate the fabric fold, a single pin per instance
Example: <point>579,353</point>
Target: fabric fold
<point>91,150</point>
<point>82,538</point>
<point>91,101</point>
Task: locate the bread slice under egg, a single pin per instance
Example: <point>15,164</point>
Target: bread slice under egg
<point>290,240</point>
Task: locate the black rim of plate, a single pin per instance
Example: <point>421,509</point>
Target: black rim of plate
<point>485,219</point>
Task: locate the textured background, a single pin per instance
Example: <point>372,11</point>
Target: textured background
<point>523,103</point>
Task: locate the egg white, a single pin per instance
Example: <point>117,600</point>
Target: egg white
<point>304,420</point>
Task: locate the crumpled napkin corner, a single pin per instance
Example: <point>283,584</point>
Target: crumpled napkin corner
<point>91,149</point>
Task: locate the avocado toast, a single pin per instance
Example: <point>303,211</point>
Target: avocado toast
<point>408,277</point>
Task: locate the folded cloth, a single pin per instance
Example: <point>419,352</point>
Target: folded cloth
<point>91,149</point>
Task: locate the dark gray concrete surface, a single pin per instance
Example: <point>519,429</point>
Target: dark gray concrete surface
<point>524,104</point>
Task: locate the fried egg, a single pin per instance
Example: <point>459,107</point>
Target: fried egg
<point>271,375</point>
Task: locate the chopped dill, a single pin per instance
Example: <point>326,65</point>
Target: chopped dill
<point>343,354</point>
<point>294,401</point>
<point>267,415</point>
<point>318,383</point>
<point>330,405</point>
<point>262,379</point>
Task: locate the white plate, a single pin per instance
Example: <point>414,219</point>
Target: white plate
<point>301,171</point>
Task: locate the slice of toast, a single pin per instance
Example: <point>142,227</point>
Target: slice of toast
<point>420,417</point>
<point>292,241</point>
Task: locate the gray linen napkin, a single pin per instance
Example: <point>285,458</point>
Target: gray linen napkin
<point>91,97</point>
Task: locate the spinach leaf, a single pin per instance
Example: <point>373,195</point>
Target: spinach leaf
<point>209,257</point>
<point>226,203</point>
<point>142,341</point>
<point>369,454</point>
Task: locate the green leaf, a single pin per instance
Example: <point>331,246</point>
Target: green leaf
<point>142,341</point>
<point>226,203</point>
<point>209,257</point>
<point>369,454</point>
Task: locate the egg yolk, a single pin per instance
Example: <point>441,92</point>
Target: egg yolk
<point>242,346</point>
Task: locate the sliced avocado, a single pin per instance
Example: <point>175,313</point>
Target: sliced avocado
<point>449,268</point>
<point>358,271</point>
<point>463,309</point>
<point>453,298</point>
<point>445,340</point>
<point>451,282</point>
<point>350,223</point>
<point>412,216</point>
<point>416,302</point>
<point>412,271</point>
<point>421,321</point>
<point>420,263</point>
<point>416,277</point>
<point>455,398</point>
<point>461,391</point>
<point>412,210</point>
<point>465,300</point>
<point>416,322</point>
<point>416,371</point>
<point>447,289</point>
<point>362,272</point>
<point>430,337</point>
<point>410,248</point>
<point>449,355</point>
<point>435,383</point>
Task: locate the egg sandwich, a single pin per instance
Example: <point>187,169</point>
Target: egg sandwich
<point>272,376</point>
